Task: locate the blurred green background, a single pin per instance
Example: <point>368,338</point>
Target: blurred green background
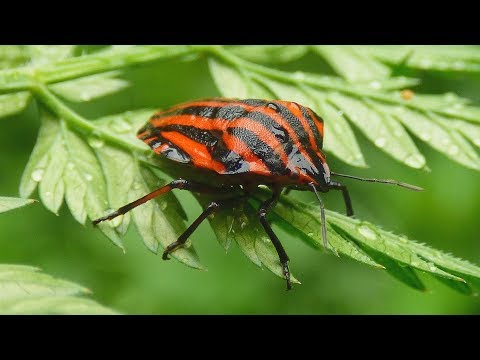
<point>445,216</point>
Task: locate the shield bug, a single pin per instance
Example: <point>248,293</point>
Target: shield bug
<point>243,144</point>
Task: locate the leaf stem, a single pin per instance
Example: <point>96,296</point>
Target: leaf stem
<point>24,78</point>
<point>80,123</point>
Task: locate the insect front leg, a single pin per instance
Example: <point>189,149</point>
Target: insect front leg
<point>346,196</point>
<point>282,255</point>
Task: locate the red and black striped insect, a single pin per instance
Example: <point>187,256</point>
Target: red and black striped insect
<point>243,144</point>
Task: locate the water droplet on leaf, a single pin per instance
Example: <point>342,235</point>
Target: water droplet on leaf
<point>121,126</point>
<point>381,142</point>
<point>367,232</point>
<point>425,136</point>
<point>96,142</point>
<point>453,150</point>
<point>37,175</point>
<point>88,177</point>
<point>415,161</point>
<point>375,85</point>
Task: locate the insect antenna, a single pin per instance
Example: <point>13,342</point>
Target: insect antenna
<point>322,218</point>
<point>383,181</point>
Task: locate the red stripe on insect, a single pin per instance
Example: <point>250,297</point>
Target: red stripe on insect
<point>197,152</point>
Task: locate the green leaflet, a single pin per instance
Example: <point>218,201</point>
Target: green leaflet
<point>39,158</point>
<point>428,58</point>
<point>437,134</point>
<point>11,104</point>
<point>353,65</point>
<point>90,87</point>
<point>306,223</point>
<point>25,290</point>
<point>269,53</point>
<point>159,221</point>
<point>228,80</point>
<point>238,221</point>
<point>396,253</point>
<point>10,203</point>
<point>13,56</point>
<point>384,131</point>
<point>339,138</point>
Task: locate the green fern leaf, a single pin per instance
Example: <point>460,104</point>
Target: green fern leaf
<point>25,290</point>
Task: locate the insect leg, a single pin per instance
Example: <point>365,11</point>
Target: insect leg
<point>175,184</point>
<point>211,208</point>
<point>262,213</point>
<point>346,196</point>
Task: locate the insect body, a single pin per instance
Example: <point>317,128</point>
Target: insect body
<point>243,144</point>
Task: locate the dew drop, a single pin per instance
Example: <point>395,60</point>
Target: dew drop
<point>425,136</point>
<point>88,177</point>
<point>450,97</point>
<point>121,126</point>
<point>163,205</point>
<point>432,267</point>
<point>375,85</point>
<point>367,232</point>
<point>310,234</point>
<point>37,175</point>
<point>70,166</point>
<point>48,194</point>
<point>85,96</point>
<point>403,240</point>
<point>243,225</point>
<point>449,110</point>
<point>453,150</point>
<point>381,142</point>
<point>137,185</point>
<point>415,161</point>
<point>298,75</point>
<point>96,142</point>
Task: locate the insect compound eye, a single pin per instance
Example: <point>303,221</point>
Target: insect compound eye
<point>273,106</point>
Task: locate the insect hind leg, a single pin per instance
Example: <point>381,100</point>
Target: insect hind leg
<point>282,255</point>
<point>210,209</point>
